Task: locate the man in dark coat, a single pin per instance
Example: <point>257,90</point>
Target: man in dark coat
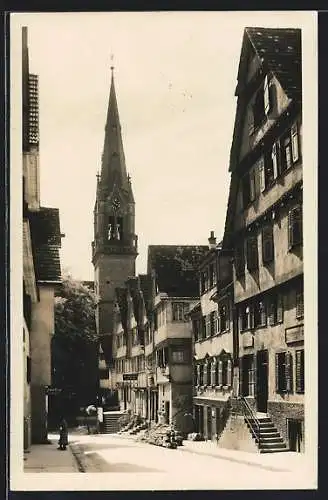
<point>63,435</point>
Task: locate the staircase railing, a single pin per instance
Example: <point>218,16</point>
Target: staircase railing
<point>251,419</point>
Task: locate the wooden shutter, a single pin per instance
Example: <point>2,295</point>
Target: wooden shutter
<point>300,371</point>
<point>229,373</point>
<point>299,304</point>
<point>261,171</point>
<point>274,156</point>
<point>220,368</point>
<point>205,374</point>
<point>252,192</point>
<point>280,308</point>
<point>213,368</point>
<point>251,379</point>
<point>267,101</point>
<point>252,253</point>
<point>250,120</point>
<point>272,311</point>
<point>295,226</point>
<point>295,146</point>
<point>240,320</point>
<point>289,371</point>
<point>277,359</point>
<point>267,243</point>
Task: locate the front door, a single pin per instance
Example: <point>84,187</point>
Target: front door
<point>262,381</point>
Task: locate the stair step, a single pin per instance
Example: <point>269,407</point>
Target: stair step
<point>271,439</point>
<point>273,450</point>
<point>272,445</point>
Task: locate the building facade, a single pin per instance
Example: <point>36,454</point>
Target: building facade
<point>41,267</point>
<point>264,227</point>
<point>212,327</point>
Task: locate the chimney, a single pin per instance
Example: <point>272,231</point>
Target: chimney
<point>212,241</point>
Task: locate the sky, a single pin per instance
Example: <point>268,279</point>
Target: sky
<point>175,78</point>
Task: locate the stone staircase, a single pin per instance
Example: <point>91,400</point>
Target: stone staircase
<point>268,440</point>
<point>110,423</point>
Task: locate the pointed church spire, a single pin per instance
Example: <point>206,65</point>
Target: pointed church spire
<point>113,168</point>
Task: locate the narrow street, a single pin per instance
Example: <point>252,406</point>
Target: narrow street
<point>185,466</point>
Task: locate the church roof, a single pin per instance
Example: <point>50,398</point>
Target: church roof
<point>46,241</point>
<point>113,168</point>
<point>176,268</point>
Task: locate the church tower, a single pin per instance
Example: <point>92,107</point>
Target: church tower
<point>114,249</point>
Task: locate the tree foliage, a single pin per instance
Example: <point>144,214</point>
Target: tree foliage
<point>74,344</point>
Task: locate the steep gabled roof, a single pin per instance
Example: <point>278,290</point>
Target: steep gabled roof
<point>280,50</point>
<point>46,241</point>
<point>176,268</point>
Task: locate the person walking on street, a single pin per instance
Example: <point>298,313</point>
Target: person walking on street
<point>63,435</point>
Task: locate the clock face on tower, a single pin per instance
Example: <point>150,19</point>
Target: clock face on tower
<point>116,203</point>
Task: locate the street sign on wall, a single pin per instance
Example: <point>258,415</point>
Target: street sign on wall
<point>130,376</point>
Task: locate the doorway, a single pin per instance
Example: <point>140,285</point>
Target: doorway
<point>167,412</point>
<point>262,381</point>
<point>295,434</point>
<point>201,420</point>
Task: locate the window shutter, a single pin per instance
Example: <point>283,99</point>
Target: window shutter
<point>213,367</point>
<point>267,243</point>
<point>277,372</point>
<point>289,371</point>
<point>252,193</point>
<point>220,367</point>
<point>240,389</point>
<point>300,371</point>
<point>280,308</point>
<point>229,373</point>
<point>299,304</point>
<point>250,120</point>
<point>205,374</point>
<point>290,228</point>
<point>275,160</point>
<point>261,171</point>
<point>271,312</point>
<point>252,253</point>
<point>267,103</point>
<point>295,147</point>
<point>198,375</point>
<point>251,387</point>
<point>240,320</point>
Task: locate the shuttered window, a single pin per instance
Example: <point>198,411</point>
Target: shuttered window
<point>201,374</point>
<point>252,253</point>
<point>261,174</point>
<point>229,373</point>
<point>246,318</point>
<point>267,244</point>
<point>220,372</point>
<point>203,333</point>
<point>251,378</point>
<point>295,229</point>
<point>259,314</point>
<point>295,143</point>
<point>213,322</point>
<point>284,372</point>
<point>276,159</point>
<point>299,304</point>
<point>198,382</point>
<point>213,372</point>
<point>275,309</point>
<point>223,315</point>
<point>208,372</point>
<point>240,260</point>
<point>300,371</point>
<point>208,325</point>
<point>252,185</point>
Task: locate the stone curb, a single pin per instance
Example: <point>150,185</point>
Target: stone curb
<point>79,457</point>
